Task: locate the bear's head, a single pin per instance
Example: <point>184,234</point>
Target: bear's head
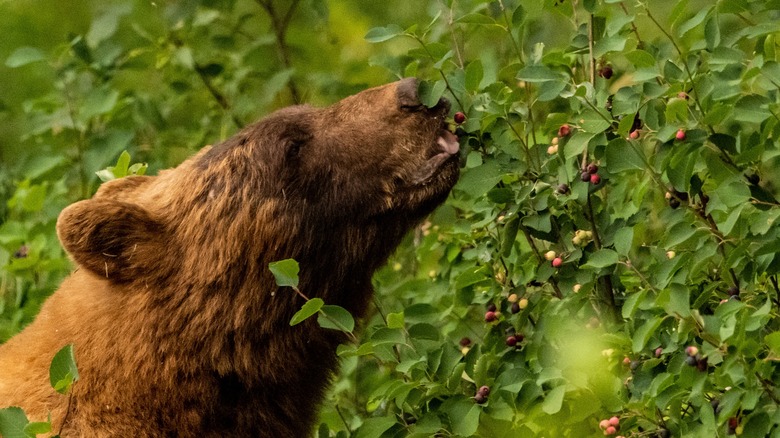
<point>336,188</point>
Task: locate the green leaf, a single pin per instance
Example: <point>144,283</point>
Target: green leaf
<point>577,144</point>
<point>474,73</point>
<point>602,259</point>
<point>374,427</point>
<point>385,335</point>
<point>463,414</point>
<point>379,34</point>
<point>477,181</point>
<point>395,320</point>
<point>772,340</point>
<point>537,73</point>
<point>644,333</point>
<point>23,56</point>
<point>99,101</point>
<point>285,272</point>
<point>37,428</point>
<point>476,18</point>
<point>431,93</point>
<point>621,156</point>
<point>337,318</point>
<point>624,238</point>
<point>308,309</point>
<point>63,371</point>
<point>13,422</point>
<point>553,401</point>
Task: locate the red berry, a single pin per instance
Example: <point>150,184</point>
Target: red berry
<point>733,422</point>
<point>691,350</point>
<point>682,95</point>
<point>465,342</point>
<point>634,134</point>
<point>484,390</point>
<point>595,179</point>
<point>603,424</point>
<point>606,72</point>
<point>557,262</point>
<point>592,168</point>
<point>680,135</point>
<point>659,351</point>
<point>564,130</point>
<point>610,430</point>
<point>459,117</point>
<point>490,316</point>
<point>614,421</point>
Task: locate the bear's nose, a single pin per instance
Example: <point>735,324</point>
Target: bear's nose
<point>408,97</point>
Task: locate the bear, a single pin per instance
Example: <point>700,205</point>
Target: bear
<point>178,325</point>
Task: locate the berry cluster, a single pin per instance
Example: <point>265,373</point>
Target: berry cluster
<point>610,426</point>
<point>590,174</point>
<point>695,359</point>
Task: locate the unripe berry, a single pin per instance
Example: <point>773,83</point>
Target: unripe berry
<point>682,95</point>
<point>549,255</point>
<point>512,298</point>
<point>659,351</point>
<point>603,424</point>
<point>680,135</point>
<point>633,135</point>
<point>484,390</point>
<point>523,303</point>
<point>564,130</point>
<point>670,254</point>
<point>576,288</point>
<point>691,350</point>
<point>552,149</point>
<point>459,117</point>
<point>480,399</point>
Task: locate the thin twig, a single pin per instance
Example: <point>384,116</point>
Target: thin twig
<point>280,25</point>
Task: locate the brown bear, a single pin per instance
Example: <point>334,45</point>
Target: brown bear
<point>177,323</point>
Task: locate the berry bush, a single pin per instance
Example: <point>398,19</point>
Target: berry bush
<point>607,263</point>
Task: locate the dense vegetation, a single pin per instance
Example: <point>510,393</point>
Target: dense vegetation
<point>610,250</point>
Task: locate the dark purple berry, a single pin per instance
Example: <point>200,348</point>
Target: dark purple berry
<point>592,168</point>
<point>585,176</point>
<point>491,307</point>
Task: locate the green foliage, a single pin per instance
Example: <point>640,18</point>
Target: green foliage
<point>63,374</point>
<point>675,243</point>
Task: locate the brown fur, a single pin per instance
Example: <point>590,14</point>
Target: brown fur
<point>178,326</point>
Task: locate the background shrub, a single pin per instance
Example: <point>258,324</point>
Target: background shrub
<point>647,293</point>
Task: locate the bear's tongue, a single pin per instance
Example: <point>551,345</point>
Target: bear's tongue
<point>448,142</point>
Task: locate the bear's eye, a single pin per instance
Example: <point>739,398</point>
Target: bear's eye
<point>294,148</point>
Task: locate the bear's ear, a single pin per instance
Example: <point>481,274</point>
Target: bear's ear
<point>116,240</point>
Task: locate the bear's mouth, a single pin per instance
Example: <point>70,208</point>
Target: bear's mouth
<point>447,148</point>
